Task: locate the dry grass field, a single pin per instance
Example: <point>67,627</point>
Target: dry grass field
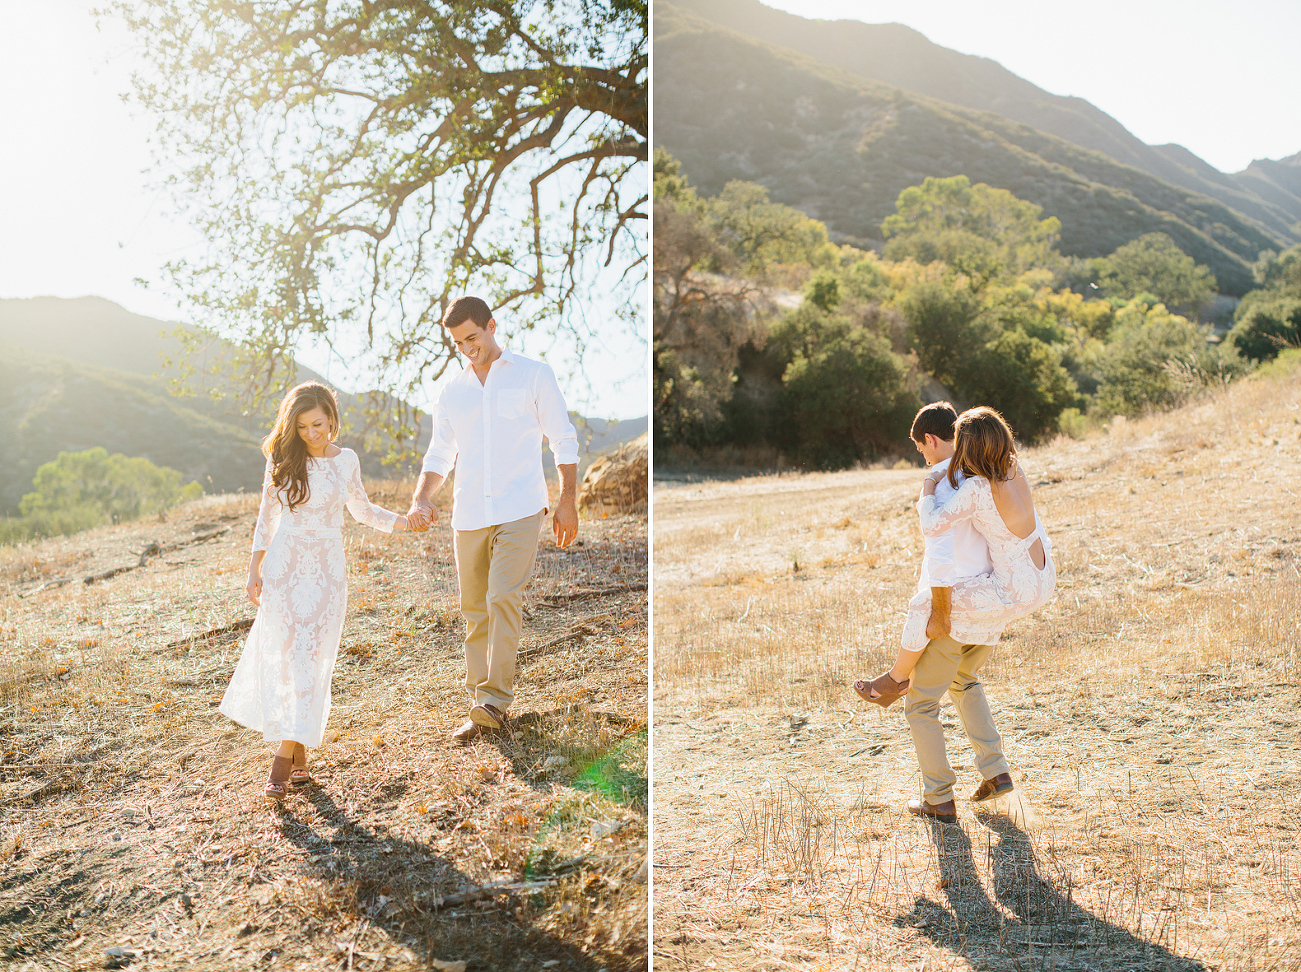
<point>1150,713</point>
<point>133,831</point>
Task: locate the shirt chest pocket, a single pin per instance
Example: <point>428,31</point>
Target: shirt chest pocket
<point>513,403</point>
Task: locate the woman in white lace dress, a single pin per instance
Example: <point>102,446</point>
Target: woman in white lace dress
<point>299,580</point>
<point>996,496</point>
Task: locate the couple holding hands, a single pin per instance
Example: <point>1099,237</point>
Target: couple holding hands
<point>488,424</point>
<point>988,561</point>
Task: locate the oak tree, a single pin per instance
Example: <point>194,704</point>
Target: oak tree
<point>357,164</point>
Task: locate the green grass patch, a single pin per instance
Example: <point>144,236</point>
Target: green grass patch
<point>620,775</point>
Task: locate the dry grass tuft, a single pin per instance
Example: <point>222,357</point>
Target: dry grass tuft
<point>1148,712</point>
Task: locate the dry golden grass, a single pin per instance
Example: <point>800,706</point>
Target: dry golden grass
<point>1149,713</point>
<point>132,813</point>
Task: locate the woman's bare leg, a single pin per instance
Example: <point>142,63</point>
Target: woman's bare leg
<point>903,666</point>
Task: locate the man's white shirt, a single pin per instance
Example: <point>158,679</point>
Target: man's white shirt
<point>492,434</point>
<point>955,554</point>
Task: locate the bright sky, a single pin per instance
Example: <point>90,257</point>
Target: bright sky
<point>1219,77</point>
<point>77,216</point>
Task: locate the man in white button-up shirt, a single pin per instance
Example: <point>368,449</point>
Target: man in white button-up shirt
<point>955,554</point>
<point>489,423</point>
<point>950,659</point>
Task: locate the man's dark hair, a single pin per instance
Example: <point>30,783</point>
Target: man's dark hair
<point>935,419</point>
<point>469,309</point>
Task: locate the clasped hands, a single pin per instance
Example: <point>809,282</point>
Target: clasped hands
<point>421,517</point>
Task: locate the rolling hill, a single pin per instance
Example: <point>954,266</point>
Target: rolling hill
<point>840,146</point>
<point>86,372</point>
<point>50,404</point>
<point>900,56</point>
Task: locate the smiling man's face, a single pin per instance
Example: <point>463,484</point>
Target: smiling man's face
<point>477,344</point>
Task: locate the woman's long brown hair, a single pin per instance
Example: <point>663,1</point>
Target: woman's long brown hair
<point>982,446</point>
<point>286,448</point>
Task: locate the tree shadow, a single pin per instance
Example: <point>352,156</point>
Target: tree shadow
<point>1045,929</point>
<point>423,902</point>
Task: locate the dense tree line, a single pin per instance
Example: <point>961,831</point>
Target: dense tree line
<point>769,335</point>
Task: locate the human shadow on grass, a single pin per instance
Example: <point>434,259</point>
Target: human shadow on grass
<point>396,883</point>
<point>1047,929</point>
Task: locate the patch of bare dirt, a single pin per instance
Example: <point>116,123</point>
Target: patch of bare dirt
<point>1148,712</point>
<point>133,831</point>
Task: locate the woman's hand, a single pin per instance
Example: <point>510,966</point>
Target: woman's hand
<point>401,523</point>
<point>928,484</point>
<point>254,586</point>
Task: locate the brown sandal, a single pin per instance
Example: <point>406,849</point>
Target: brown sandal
<point>886,688</point>
<point>299,776</point>
<point>275,788</point>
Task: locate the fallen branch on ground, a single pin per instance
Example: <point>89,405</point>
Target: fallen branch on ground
<point>241,625</point>
<point>489,890</point>
<point>580,630</point>
<point>154,550</point>
<point>555,600</point>
<point>47,787</point>
<point>47,586</point>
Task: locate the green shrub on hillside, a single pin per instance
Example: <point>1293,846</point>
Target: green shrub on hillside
<point>968,300</point>
<point>1155,359</point>
<point>978,230</point>
<point>1265,327</point>
<point>847,393</point>
<point>1153,264</point>
<point>1269,318</point>
<point>80,490</point>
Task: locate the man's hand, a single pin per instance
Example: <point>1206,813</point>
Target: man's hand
<point>937,627</point>
<point>939,624</point>
<point>564,524</point>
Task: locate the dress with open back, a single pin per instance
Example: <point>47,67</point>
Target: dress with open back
<point>281,686</point>
<point>982,606</point>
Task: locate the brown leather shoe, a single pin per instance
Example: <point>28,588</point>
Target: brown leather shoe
<point>487,716</point>
<point>999,786</point>
<point>945,811</point>
<point>467,731</point>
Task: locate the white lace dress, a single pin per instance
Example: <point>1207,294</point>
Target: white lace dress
<point>984,605</point>
<point>281,686</point>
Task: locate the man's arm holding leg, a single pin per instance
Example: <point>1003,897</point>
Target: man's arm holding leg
<point>940,623</point>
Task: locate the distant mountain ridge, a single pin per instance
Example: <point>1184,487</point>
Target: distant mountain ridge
<point>899,55</point>
<point>839,146</point>
<point>80,373</point>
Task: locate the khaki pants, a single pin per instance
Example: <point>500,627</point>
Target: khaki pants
<point>947,665</point>
<point>492,567</point>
